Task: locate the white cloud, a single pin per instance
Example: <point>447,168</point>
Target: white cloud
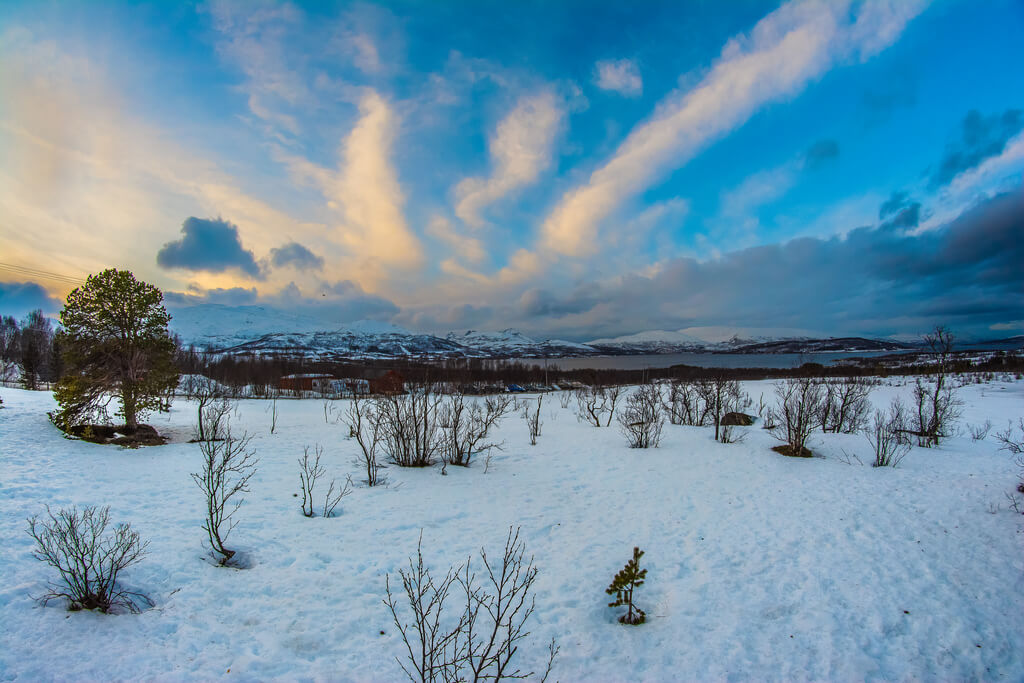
<point>758,189</point>
<point>621,76</point>
<point>369,193</point>
<point>469,248</point>
<point>521,148</point>
<point>784,52</point>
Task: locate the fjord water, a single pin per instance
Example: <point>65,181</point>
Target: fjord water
<point>704,360</point>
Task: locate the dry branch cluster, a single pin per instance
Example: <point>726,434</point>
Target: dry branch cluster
<point>480,639</point>
<point>88,559</point>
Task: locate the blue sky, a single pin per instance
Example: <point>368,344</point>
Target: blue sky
<point>573,169</point>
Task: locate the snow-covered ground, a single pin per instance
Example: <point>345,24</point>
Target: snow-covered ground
<point>761,567</point>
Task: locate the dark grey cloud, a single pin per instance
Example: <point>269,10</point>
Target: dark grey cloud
<point>18,298</point>
<point>210,244</point>
<point>541,302</point>
<point>981,137</point>
<point>821,153</point>
<point>234,296</point>
<point>874,280</point>
<point>295,255</point>
<point>900,211</point>
<point>334,303</point>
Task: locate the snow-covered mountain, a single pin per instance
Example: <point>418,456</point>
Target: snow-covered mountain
<point>513,343</point>
<point>652,341</point>
<point>265,331</point>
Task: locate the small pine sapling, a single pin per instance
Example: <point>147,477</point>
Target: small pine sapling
<point>622,587</point>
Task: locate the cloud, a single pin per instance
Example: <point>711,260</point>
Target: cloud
<point>758,189</point>
<point>210,245</point>
<point>254,38</point>
<point>19,298</point>
<point>981,138</point>
<point>331,302</point>
<point>468,248</point>
<point>621,76</point>
<point>784,52</point>
<point>520,148</point>
<point>820,153</point>
<point>874,280</point>
<point>900,211</point>
<point>295,255</point>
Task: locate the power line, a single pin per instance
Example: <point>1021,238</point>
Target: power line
<point>26,271</point>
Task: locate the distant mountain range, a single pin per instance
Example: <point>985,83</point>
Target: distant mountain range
<point>243,330</point>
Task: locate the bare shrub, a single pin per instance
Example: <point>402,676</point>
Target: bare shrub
<point>596,404</point>
<point>719,395</point>
<point>683,403</point>
<point>936,404</point>
<point>309,471</point>
<point>980,432</point>
<point>466,424</point>
<point>564,398</point>
<point>531,415</point>
<point>364,425</point>
<point>211,416</point>
<point>88,559</point>
<point>227,467</point>
<point>846,407</point>
<point>1014,443</point>
<point>883,434</point>
<point>936,408</point>
<point>334,495</point>
<point>641,420</point>
<point>481,641</point>
<point>410,433</point>
<point>205,392</point>
<point>272,409</point>
<point>799,403</point>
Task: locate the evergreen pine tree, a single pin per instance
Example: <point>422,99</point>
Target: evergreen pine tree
<point>628,579</point>
<point>116,346</point>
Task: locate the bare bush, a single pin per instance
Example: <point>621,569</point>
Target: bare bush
<point>466,424</point>
<point>334,495</point>
<point>479,643</point>
<point>980,432</point>
<point>799,404</point>
<point>212,414</point>
<point>683,404</point>
<point>88,559</point>
<point>719,395</point>
<point>1014,443</point>
<point>364,425</point>
<point>641,420</point>
<point>846,407</point>
<point>936,408</point>
<point>272,409</point>
<point>227,467</point>
<point>531,415</point>
<point>564,398</point>
<point>205,392</point>
<point>309,471</point>
<point>936,403</point>
<point>410,432</point>
<point>883,434</point>
<point>596,404</point>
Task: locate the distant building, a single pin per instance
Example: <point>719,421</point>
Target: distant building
<point>350,387</point>
<point>311,382</point>
<point>324,385</point>
<point>389,383</point>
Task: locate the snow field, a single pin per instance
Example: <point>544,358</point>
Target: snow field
<point>760,567</point>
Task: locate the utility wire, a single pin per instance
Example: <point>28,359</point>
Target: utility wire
<point>25,271</point>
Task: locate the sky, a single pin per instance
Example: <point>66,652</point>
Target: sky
<point>570,168</point>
